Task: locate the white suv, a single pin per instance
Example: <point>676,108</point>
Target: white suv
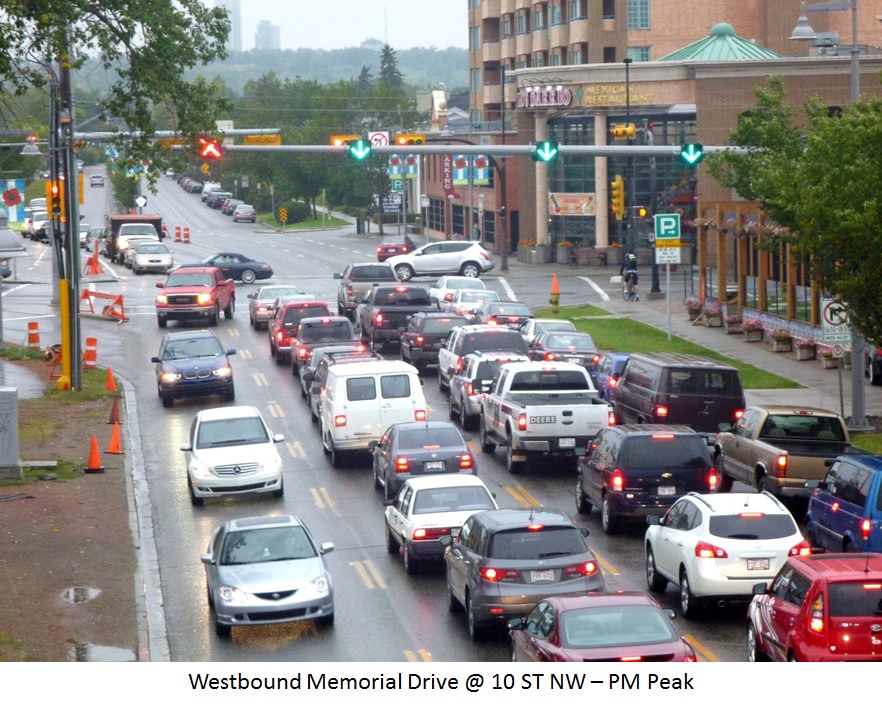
<point>448,257</point>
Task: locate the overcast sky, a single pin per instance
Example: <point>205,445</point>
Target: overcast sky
<point>335,24</point>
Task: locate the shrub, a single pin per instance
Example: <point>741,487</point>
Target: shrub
<point>751,325</point>
<point>692,303</point>
<point>780,334</point>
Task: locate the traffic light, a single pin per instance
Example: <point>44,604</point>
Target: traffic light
<point>360,149</point>
<point>628,131</point>
<point>641,211</point>
<point>210,148</point>
<point>617,197</point>
<point>691,154</point>
<point>544,151</point>
<point>407,140</point>
<point>55,198</point>
<point>341,140</point>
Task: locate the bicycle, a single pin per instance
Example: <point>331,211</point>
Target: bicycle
<point>628,289</point>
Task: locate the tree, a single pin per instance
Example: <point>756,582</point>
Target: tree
<point>821,178</point>
<point>148,46</point>
<point>390,76</point>
<point>365,80</point>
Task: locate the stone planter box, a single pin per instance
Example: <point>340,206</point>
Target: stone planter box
<point>781,345</point>
<point>614,255</point>
<point>693,314</point>
<point>754,335</point>
<point>563,254</point>
<point>829,362</point>
<point>804,353</point>
<point>733,328</point>
<point>714,321</point>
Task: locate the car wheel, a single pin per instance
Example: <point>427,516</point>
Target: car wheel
<point>849,546</point>
<point>326,448</point>
<point>442,386</point>
<point>791,657</point>
<point>726,481</point>
<point>389,491</point>
<point>230,309</point>
<point>513,467</point>
<point>392,546</point>
<point>167,399</point>
<point>411,565</point>
<point>607,519</point>
<point>512,655</point>
<point>137,272</point>
<point>280,358</point>
<point>654,580</point>
<point>763,484</point>
<point>582,503</point>
<point>486,446</point>
<point>467,421</point>
<point>230,395</point>
<point>325,621</point>
<point>222,629</point>
<point>471,270</point>
<point>162,322</point>
<point>451,409</point>
<point>754,652</point>
<point>452,603</point>
<point>272,348</point>
<point>404,272</point>
<point>280,492</point>
<point>688,602</point>
<point>215,316</point>
<point>336,457</point>
<point>476,629</point>
<point>248,276</point>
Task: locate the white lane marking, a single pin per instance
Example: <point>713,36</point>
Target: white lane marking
<point>19,288</point>
<point>508,289</point>
<point>600,292</point>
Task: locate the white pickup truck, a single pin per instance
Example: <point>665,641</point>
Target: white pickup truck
<point>541,408</point>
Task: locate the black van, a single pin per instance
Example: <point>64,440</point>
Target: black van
<point>679,389</point>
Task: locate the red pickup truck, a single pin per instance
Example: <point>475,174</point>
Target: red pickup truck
<point>195,293</point>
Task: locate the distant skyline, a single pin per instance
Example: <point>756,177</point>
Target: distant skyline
<point>338,24</point>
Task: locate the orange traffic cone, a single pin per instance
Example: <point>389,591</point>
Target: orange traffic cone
<point>95,466</point>
<point>114,412</point>
<point>114,448</point>
<point>111,383</point>
<point>555,288</point>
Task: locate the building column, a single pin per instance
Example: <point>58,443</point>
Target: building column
<point>541,130</point>
<point>601,185</point>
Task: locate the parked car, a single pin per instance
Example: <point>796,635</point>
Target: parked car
<point>267,569</point>
<point>394,244</point>
<point>229,205</point>
<point>466,301</point>
<point>415,449</point>
<point>260,303</point>
<point>428,507</point>
<point>873,364</point>
<point>509,313</point>
<point>151,256</point>
<point>469,384</point>
<point>193,363</point>
<point>532,327</point>
<point>715,548</point>
<point>505,561</point>
<point>819,608</point>
<point>239,267</point>
<point>598,627</point>
<point>575,347</point>
<point>447,257</point>
<point>244,213</point>
<point>96,180</point>
<point>231,452</point>
<point>444,288</point>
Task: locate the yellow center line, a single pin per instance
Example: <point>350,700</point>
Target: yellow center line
<point>295,449</point>
<point>363,574</point>
<point>327,496</point>
<point>260,379</point>
<point>704,652</point>
<point>319,503</point>
<point>516,496</point>
<point>375,573</point>
<point>276,411</point>
<point>244,354</point>
<point>420,655</point>
<point>608,568</point>
<point>233,332</point>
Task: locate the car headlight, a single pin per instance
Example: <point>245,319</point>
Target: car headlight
<point>233,594</point>
<point>162,299</point>
<point>203,298</point>
<point>200,470</point>
<point>223,372</point>
<point>123,245</point>
<point>170,377</point>
<point>321,584</point>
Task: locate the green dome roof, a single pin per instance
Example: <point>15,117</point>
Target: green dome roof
<point>722,44</point>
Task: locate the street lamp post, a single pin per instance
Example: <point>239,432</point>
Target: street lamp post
<point>629,166</point>
<point>804,32</point>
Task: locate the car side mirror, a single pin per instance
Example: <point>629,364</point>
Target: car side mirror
<point>231,352</point>
<point>446,540</point>
<point>207,559</point>
<point>250,295</point>
<point>160,284</point>
<point>372,444</point>
<point>186,447</point>
<point>230,281</point>
<point>759,589</point>
<point>338,275</point>
<point>451,371</point>
<point>584,531</point>
<point>326,548</point>
<point>725,427</point>
<point>812,484</point>
<point>388,502</point>
<point>515,624</point>
<point>653,520</point>
<point>670,613</point>
<point>278,437</point>
<point>308,377</point>
<point>155,360</point>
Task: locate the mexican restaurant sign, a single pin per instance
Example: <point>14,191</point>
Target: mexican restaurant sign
<point>545,98</point>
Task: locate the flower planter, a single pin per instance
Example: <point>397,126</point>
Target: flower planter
<point>754,335</point>
<point>563,255</point>
<point>713,320</point>
<point>804,353</point>
<point>614,255</point>
<point>693,314</point>
<point>781,344</point>
<point>733,328</point>
<point>829,362</point>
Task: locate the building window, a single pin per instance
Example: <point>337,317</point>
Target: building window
<point>556,17</point>
<point>475,37</point>
<point>578,10</point>
<point>557,59</point>
<point>523,23</point>
<point>476,80</point>
<point>638,53</point>
<point>539,59</point>
<point>609,54</point>
<point>638,14</point>
<point>524,62</point>
<point>609,9</point>
<point>507,26</point>
<point>489,233</point>
<point>538,18</point>
<point>435,215</point>
<point>575,56</point>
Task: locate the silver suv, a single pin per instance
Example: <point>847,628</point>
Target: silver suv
<point>469,385</point>
<point>449,257</point>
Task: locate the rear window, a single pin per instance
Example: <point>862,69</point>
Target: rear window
<point>487,370</point>
<point>577,343</point>
<point>518,309</point>
<point>333,330</point>
<point>441,324</point>
<point>453,498</point>
<point>615,626</point>
<point>424,438</point>
<point>557,380</point>
<point>374,273</point>
<point>402,296</point>
<point>361,388</point>
<point>523,544</point>
<point>502,340</point>
<point>705,382</point>
<point>851,599</point>
<point>803,427</point>
<point>395,386</point>
<point>658,452</point>
<point>752,526</point>
<point>294,315</point>
<point>459,284</point>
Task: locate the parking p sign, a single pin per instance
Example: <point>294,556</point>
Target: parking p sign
<point>667,226</point>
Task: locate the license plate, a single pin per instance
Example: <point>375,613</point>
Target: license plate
<point>574,360</point>
<point>667,491</point>
<point>758,563</point>
<point>434,466</point>
<point>566,442</point>
<point>542,575</point>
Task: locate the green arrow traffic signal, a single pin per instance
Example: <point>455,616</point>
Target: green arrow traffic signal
<point>691,154</point>
<point>360,149</point>
<point>544,151</point>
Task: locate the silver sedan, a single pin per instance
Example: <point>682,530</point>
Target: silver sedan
<point>260,303</point>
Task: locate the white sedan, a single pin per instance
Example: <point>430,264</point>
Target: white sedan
<point>151,256</point>
<point>534,326</point>
<point>426,508</point>
<point>716,547</point>
<point>466,302</point>
<point>443,290</point>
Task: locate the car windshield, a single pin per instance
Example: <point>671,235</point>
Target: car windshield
<point>576,343</point>
<point>537,544</point>
<point>245,547</point>
<point>665,451</point>
<point>270,293</point>
<point>428,438</point>
<point>441,324</point>
<point>611,626</point>
<point>752,525</point>
<point>152,249</point>
<point>851,599</point>
<point>332,330</point>
<point>518,309</point>
<point>469,296</point>
<point>189,279</point>
<point>225,432</point>
<point>197,347</point>
<point>132,230</point>
<point>452,498</point>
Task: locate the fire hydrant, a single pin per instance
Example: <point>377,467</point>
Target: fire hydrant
<point>555,295</point>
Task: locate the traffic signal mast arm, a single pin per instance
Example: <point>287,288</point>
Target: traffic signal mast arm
<point>671,150</point>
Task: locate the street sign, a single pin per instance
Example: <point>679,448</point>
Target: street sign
<point>667,244</point>
<point>206,168</point>
<point>667,255</point>
<point>391,203</point>
<point>140,201</point>
<point>396,184</point>
<point>667,227</point>
<point>378,139</point>
<point>424,201</point>
<point>283,215</point>
<point>837,350</point>
<point>268,139</point>
<point>835,321</point>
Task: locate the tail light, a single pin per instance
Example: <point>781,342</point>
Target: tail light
<point>485,256</point>
<point>419,341</point>
<point>401,465</point>
<point>492,321</point>
<point>280,335</point>
<point>583,569</point>
<point>739,413</point>
<point>430,533</point>
<point>359,348</point>
<point>378,319</point>
<point>419,414</point>
<point>495,574</point>
<point>458,367</point>
<point>661,411</point>
<point>522,421</point>
<point>379,249</point>
<point>262,309</point>
<point>448,297</point>
<point>800,549</point>
<point>470,390</point>
<point>465,462</point>
<point>549,356</point>
<point>713,480</point>
<point>303,352</point>
<point>816,619</point>
<point>865,529</point>
<point>704,549</point>
<point>595,359</point>
<point>611,418</point>
<point>463,310</point>
<point>340,421</point>
<point>617,480</point>
<point>781,466</point>
<point>349,292</point>
<point>612,382</point>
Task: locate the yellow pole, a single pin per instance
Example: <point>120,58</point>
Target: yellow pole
<point>63,383</point>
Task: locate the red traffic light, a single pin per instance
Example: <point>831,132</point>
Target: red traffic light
<point>210,148</point>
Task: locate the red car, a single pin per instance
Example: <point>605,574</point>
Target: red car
<point>282,327</point>
<point>390,246</point>
<point>820,608</point>
<point>598,627</point>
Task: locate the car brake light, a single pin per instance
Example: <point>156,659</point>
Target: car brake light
<point>549,356</point>
<point>595,359</point>
<point>485,256</point>
<point>303,352</point>
<point>458,368</point>
<point>465,462</point>
<point>492,574</point>
<point>359,348</point>
<point>611,418</point>
<point>470,390</point>
<point>865,529</point>
<point>612,381</point>
<point>535,527</point>
<point>617,480</point>
<point>401,289</point>
<point>349,291</point>
<point>340,421</point>
<point>448,297</point>
<point>713,480</point>
<point>378,318</point>
<point>800,549</point>
<point>583,569</point>
<point>816,621</point>
<point>419,341</point>
<point>430,533</point>
<point>704,549</point>
<point>492,322</point>
<point>661,411</point>
<point>631,658</point>
<point>262,309</point>
<point>325,321</point>
<point>781,466</point>
<point>522,421</point>
<point>739,413</point>
<point>463,310</point>
<point>379,249</point>
<point>280,335</point>
<point>401,464</point>
<point>419,414</point>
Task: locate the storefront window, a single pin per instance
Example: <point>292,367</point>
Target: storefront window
<point>489,227</point>
<point>435,215</point>
<point>459,222</point>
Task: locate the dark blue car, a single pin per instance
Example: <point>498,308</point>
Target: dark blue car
<point>193,363</point>
<point>606,372</point>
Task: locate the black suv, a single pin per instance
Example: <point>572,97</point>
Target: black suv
<point>319,332</point>
<point>193,363</point>
<point>425,334</point>
<point>633,471</point>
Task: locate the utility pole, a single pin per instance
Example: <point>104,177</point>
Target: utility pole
<point>629,181</point>
<point>503,209</point>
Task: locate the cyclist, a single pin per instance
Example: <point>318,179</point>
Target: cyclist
<point>628,272</point>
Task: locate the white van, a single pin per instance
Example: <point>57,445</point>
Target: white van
<point>208,188</point>
<point>360,400</point>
